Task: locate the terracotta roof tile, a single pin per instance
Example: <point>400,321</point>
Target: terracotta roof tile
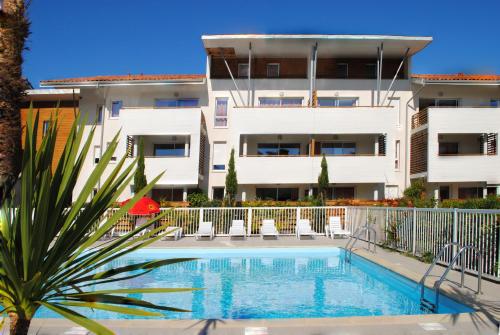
<point>128,77</point>
<point>459,76</point>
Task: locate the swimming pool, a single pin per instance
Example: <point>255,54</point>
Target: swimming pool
<point>272,283</point>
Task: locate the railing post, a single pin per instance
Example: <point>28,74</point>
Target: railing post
<point>201,216</point>
<point>249,222</point>
<point>297,217</point>
<point>454,232</point>
<point>414,237</point>
<point>386,222</point>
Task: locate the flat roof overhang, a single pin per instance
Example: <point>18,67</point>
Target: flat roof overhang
<point>52,94</point>
<point>299,45</point>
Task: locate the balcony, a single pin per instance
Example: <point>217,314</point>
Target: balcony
<point>320,120</point>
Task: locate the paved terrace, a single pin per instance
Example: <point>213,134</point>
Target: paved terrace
<point>483,322</point>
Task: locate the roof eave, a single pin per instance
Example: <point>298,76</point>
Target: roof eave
<point>64,84</point>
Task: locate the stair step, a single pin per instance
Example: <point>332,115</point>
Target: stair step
<point>426,305</point>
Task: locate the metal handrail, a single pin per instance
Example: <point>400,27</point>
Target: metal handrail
<point>434,262</point>
<point>477,253</point>
<point>355,238</point>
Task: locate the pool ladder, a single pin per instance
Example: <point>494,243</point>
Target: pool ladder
<point>355,238</point>
<point>427,305</point>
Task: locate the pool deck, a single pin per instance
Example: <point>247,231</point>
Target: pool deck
<point>484,322</point>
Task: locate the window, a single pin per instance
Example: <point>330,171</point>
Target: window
<point>280,101</point>
<point>337,102</point>
<point>448,148</point>
<point>170,150</point>
<point>278,149</point>
<point>221,112</point>
<point>397,155</point>
<point>191,102</point>
<point>337,192</point>
<point>97,153</point>
<point>113,158</point>
<point>243,70</point>
<point>218,193</point>
<point>277,194</point>
<point>342,70</point>
<point>491,190</point>
<point>273,70</point>
<point>495,103</point>
<point>45,127</point>
<point>444,192</point>
<point>167,194</point>
<point>447,102</point>
<point>219,156</point>
<point>470,192</point>
<point>100,113</point>
<point>371,71</point>
<point>338,148</point>
<point>115,108</point>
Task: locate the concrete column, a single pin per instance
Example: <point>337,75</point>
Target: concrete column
<point>485,145</point>
<point>186,149</point>
<point>243,196</point>
<point>375,194</point>
<point>485,192</point>
<point>436,193</point>
<point>310,191</point>
<point>498,190</point>
<point>184,194</point>
<point>245,145</point>
<point>376,146</point>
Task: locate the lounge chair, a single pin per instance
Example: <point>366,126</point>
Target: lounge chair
<point>304,229</point>
<point>268,229</point>
<point>237,229</point>
<point>206,229</point>
<point>334,228</point>
<point>175,232</point>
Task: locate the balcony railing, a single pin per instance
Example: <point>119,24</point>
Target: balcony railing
<point>419,119</point>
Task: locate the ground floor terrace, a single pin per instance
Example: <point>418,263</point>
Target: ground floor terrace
<point>483,321</point>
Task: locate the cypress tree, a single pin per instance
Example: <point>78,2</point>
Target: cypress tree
<point>139,177</point>
<point>323,180</point>
<point>231,181</point>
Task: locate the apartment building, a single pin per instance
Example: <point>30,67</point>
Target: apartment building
<point>283,101</point>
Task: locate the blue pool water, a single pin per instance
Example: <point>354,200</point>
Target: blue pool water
<point>272,283</point>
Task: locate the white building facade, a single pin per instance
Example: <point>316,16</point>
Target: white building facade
<point>282,102</point>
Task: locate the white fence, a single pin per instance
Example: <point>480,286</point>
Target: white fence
<point>419,231</point>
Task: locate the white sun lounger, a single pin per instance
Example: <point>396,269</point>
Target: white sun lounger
<point>304,228</point>
<point>334,228</point>
<point>175,232</point>
<point>268,229</point>
<point>237,229</point>
<point>206,229</point>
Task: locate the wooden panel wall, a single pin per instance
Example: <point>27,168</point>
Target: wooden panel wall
<point>357,68</point>
<point>66,117</point>
<point>418,152</point>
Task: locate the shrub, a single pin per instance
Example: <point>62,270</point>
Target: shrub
<point>198,199</point>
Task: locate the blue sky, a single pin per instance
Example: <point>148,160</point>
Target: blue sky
<point>90,37</point>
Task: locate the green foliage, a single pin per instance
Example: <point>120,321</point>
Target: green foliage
<point>47,248</point>
<point>416,190</point>
<point>231,181</point>
<point>139,177</point>
<point>415,196</point>
<point>427,257</point>
<point>323,180</point>
<point>198,199</point>
<point>491,202</point>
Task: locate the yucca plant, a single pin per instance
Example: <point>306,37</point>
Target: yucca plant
<point>51,253</point>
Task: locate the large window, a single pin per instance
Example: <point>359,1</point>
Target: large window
<point>337,102</point>
<point>219,156</point>
<point>277,194</point>
<point>278,149</point>
<point>167,194</point>
<point>470,192</point>
<point>221,112</point>
<point>338,148</point>
<point>280,101</point>
<point>333,193</point>
<point>218,193</point>
<point>425,103</point>
<point>170,150</point>
<point>495,103</point>
<point>100,113</point>
<point>115,108</point>
<point>191,102</point>
<point>448,148</point>
<point>371,71</point>
<point>273,70</point>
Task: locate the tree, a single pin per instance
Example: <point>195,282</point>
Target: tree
<point>323,180</point>
<point>231,181</point>
<point>47,249</point>
<point>140,180</point>
<point>14,30</point>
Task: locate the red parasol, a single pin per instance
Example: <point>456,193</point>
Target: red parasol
<point>145,206</point>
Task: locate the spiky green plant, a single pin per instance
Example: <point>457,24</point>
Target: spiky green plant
<point>50,249</point>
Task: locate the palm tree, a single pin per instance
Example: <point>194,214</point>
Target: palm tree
<point>14,30</point>
<point>50,252</point>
